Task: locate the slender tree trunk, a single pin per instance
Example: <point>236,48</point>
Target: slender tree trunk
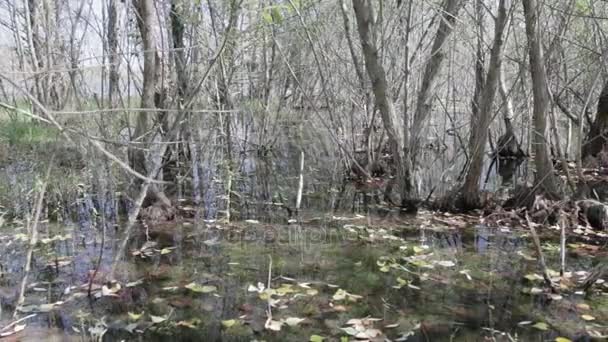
<point>145,20</point>
<point>375,70</point>
<point>432,68</point>
<point>545,175</point>
<point>597,136</point>
<point>479,133</point>
<point>113,59</point>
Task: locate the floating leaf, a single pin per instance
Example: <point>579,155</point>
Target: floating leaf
<point>135,283</point>
<point>316,338</point>
<point>312,292</point>
<point>110,291</point>
<point>562,339</point>
<point>228,323</point>
<point>341,295</point>
<point>134,316</point>
<point>536,290</point>
<point>274,325</point>
<point>555,296</point>
<point>350,330</point>
<point>541,326</point>
<point>194,287</point>
<point>293,321</point>
<point>166,250</point>
<point>285,289</point>
<point>588,318</point>
<point>466,274</point>
<point>400,283</point>
<point>533,277</point>
<point>446,263</point>
<point>157,319</point>
<point>192,323</point>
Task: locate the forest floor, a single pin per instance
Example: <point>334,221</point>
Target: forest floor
<point>435,277</point>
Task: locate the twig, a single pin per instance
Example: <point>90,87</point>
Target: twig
<point>562,245</point>
<point>18,321</point>
<point>541,257</point>
<point>269,310</point>
<point>33,231</point>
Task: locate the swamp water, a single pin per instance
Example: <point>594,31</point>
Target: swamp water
<point>333,279</point>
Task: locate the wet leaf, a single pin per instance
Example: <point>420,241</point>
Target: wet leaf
<point>194,287</point>
<point>446,263</point>
<point>467,274</point>
<point>166,250</point>
<point>135,283</point>
<point>274,325</point>
<point>293,321</point>
<point>228,323</point>
<point>588,318</point>
<point>350,330</point>
<point>583,306</point>
<point>192,323</point>
<point>555,296</point>
<point>533,277</point>
<point>541,326</point>
<point>110,291</point>
<point>285,289</point>
<point>259,288</point>
<point>312,292</point>
<point>400,283</point>
<point>158,319</point>
<point>134,316</point>
<point>341,295</point>
<point>536,290</point>
<point>316,338</point>
<point>526,256</point>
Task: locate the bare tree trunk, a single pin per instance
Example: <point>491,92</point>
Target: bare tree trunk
<point>145,20</point>
<point>597,138</point>
<point>365,23</point>
<point>479,132</point>
<point>449,13</point>
<point>113,59</point>
<point>546,180</point>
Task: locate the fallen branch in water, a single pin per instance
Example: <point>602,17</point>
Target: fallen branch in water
<point>33,238</point>
<point>540,255</point>
<point>17,322</point>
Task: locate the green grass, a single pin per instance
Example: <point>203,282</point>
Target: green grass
<point>17,131</point>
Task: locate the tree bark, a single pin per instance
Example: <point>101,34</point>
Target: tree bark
<point>145,21</point>
<point>449,13</point>
<point>546,180</point>
<point>113,59</point>
<point>365,24</point>
<point>479,133</point>
<point>597,138</point>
